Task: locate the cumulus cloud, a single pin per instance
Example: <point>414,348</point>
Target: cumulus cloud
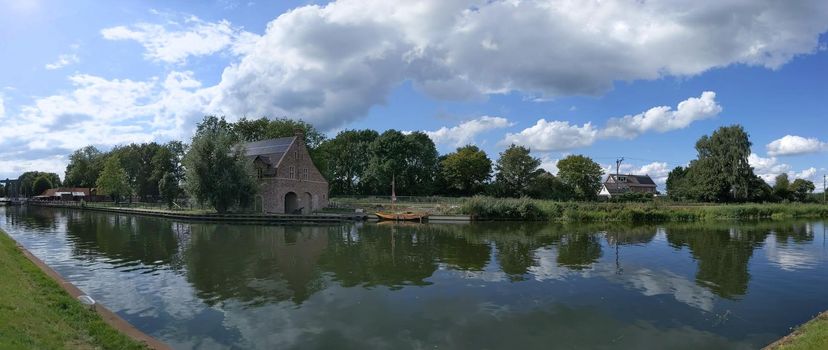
<point>465,132</point>
<point>124,110</point>
<point>554,135</point>
<point>63,61</point>
<point>330,64</point>
<point>664,118</point>
<point>793,145</point>
<point>769,168</point>
<point>194,37</point>
<point>560,135</point>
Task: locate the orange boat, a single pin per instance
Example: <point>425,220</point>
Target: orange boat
<point>407,216</point>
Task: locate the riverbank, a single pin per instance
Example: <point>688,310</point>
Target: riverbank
<point>37,313</point>
<point>659,210</point>
<point>810,336</point>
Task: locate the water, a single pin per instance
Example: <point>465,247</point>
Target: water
<point>479,286</point>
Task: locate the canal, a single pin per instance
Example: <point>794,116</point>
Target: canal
<point>512,285</point>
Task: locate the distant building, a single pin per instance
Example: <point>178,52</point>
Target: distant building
<point>289,182</point>
<point>69,194</point>
<point>619,184</point>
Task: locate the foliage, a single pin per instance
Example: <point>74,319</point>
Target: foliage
<point>169,189</point>
<point>547,186</point>
<point>522,208</point>
<point>582,175</point>
<point>38,314</point>
<point>41,184</point>
<point>217,172</point>
<point>516,169</point>
<point>782,187</point>
<point>250,130</point>
<point>27,182</point>
<point>346,159</point>
<point>84,167</point>
<point>409,160</point>
<point>721,172</point>
<point>113,180</point>
<point>801,189</point>
<point>466,170</point>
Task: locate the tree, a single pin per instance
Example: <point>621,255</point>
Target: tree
<point>169,189</point>
<point>346,159</point>
<point>548,186</point>
<point>41,184</point>
<point>722,172</point>
<point>516,169</point>
<point>410,160</point>
<point>250,130</point>
<point>466,170</point>
<point>84,167</point>
<point>801,188</point>
<point>217,173</point>
<point>781,189</point>
<point>27,181</point>
<point>113,180</point>
<point>678,184</point>
<point>582,175</point>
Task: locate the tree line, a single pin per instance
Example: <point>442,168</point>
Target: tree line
<point>211,169</point>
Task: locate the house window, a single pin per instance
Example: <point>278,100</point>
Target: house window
<point>622,178</point>
<point>259,172</point>
<point>292,172</point>
<point>296,155</point>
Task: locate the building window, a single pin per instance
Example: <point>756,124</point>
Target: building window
<point>259,173</point>
<point>296,155</point>
<point>622,179</point>
<point>292,172</point>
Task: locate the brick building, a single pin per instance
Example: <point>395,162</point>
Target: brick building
<point>289,182</point>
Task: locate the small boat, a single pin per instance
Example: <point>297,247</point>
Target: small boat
<point>406,216</point>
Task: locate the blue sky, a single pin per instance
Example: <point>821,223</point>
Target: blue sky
<point>641,80</point>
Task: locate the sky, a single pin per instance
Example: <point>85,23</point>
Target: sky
<point>641,80</point>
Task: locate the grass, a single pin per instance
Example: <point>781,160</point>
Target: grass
<point>35,313</point>
<point>812,335</point>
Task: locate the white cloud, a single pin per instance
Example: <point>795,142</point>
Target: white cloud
<point>793,145</point>
<point>194,38</point>
<point>100,112</point>
<point>663,118</point>
<point>2,107</point>
<point>549,164</point>
<point>560,135</point>
<point>546,136</point>
<point>329,64</point>
<point>63,61</point>
<point>769,168</point>
<point>465,133</point>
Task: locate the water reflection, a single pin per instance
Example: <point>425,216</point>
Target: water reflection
<point>441,282</point>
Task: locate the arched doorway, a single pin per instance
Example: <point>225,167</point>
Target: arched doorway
<point>291,202</point>
<point>258,204</point>
<point>308,202</point>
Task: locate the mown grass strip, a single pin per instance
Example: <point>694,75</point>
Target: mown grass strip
<point>810,336</point>
<point>36,313</point>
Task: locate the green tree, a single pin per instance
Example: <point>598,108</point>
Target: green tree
<point>677,184</point>
<point>801,189</point>
<point>113,180</point>
<point>27,181</point>
<point>782,187</point>
<point>249,130</point>
<point>516,169</point>
<point>169,189</point>
<point>410,160</point>
<point>41,184</point>
<point>548,186</point>
<point>582,175</point>
<point>466,170</point>
<point>84,167</point>
<point>721,173</point>
<point>347,157</point>
<point>217,173</point>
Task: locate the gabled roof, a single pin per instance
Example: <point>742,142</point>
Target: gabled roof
<point>269,151</point>
<point>633,180</point>
<point>73,191</point>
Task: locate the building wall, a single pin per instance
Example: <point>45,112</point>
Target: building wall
<point>303,179</point>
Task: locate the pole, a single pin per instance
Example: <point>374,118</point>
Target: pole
<point>618,167</point>
<point>823,187</point>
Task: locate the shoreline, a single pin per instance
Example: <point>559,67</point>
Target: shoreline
<point>111,319</point>
<point>804,336</point>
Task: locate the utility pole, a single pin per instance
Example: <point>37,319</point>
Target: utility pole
<point>823,187</point>
<point>618,167</point>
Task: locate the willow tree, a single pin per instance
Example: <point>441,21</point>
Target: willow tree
<point>217,172</point>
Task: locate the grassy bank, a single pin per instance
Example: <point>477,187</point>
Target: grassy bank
<point>35,313</point>
<point>810,336</point>
<point>529,209</point>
